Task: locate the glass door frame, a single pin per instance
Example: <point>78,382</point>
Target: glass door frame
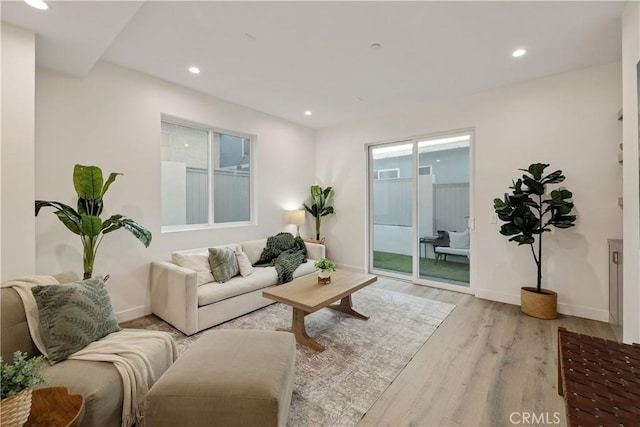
<point>370,240</point>
<point>415,276</point>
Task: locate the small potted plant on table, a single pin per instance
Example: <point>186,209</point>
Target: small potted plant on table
<point>17,381</point>
<point>326,267</point>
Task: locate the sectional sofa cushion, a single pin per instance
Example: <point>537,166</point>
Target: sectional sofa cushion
<point>198,262</point>
<point>261,278</point>
<point>238,285</point>
<point>73,315</point>
<point>244,378</point>
<point>253,249</point>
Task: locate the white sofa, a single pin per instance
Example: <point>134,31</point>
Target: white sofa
<point>177,298</point>
<point>459,244</point>
<point>446,250</point>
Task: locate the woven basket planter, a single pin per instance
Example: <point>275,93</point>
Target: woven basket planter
<point>542,306</point>
<point>15,410</point>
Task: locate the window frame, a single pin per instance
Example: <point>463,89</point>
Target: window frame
<point>396,170</point>
<point>213,151</point>
<point>424,167</point>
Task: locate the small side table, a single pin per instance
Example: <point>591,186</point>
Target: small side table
<point>320,242</point>
<point>424,241</point>
<point>55,407</point>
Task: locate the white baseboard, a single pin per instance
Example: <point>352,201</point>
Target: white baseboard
<point>132,313</point>
<point>571,310</point>
<point>351,268</point>
<point>498,296</point>
<point>585,312</point>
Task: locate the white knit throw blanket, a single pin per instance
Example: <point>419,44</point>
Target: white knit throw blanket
<point>123,349</point>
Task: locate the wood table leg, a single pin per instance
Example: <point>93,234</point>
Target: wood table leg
<point>298,329</point>
<point>346,306</point>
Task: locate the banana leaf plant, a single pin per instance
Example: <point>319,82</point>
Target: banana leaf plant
<point>86,221</point>
<point>528,212</point>
<point>319,209</point>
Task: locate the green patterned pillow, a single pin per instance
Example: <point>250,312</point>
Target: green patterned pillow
<point>73,315</point>
<point>223,263</point>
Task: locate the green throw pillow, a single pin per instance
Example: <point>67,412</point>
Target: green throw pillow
<point>223,263</point>
<point>73,315</point>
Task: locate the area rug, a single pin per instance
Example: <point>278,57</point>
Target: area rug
<point>336,387</point>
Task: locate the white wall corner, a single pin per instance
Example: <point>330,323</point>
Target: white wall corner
<point>133,313</point>
<point>631,187</point>
<point>18,148</point>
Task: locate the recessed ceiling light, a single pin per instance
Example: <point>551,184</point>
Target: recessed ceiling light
<point>307,113</point>
<point>375,46</point>
<point>518,53</point>
<point>38,4</point>
<point>194,70</point>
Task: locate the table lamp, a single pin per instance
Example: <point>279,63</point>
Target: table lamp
<point>297,218</point>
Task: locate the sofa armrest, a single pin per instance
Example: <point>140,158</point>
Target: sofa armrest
<point>315,251</point>
<point>174,295</point>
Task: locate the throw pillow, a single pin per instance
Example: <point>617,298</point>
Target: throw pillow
<point>223,263</point>
<point>244,265</point>
<point>73,315</point>
<point>196,262</point>
<point>459,240</point>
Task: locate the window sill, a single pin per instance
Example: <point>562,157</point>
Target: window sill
<point>200,227</point>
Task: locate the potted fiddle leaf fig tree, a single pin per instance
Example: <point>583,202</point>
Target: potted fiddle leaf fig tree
<point>319,208</point>
<point>528,212</point>
<point>86,221</point>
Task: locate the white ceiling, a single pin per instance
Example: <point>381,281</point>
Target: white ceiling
<point>286,57</point>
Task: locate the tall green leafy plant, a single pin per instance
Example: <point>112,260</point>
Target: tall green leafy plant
<point>528,212</point>
<point>319,208</point>
<point>86,222</point>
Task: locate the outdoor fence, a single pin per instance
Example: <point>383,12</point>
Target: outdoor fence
<point>392,204</point>
<point>231,196</point>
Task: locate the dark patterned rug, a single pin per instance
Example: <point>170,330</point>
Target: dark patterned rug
<point>337,386</point>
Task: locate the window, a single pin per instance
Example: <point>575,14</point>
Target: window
<point>388,173</point>
<point>205,176</point>
<point>424,170</point>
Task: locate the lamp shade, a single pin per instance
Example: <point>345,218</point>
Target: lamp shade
<point>297,217</point>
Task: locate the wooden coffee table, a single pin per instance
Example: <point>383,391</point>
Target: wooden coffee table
<point>55,407</point>
<point>306,296</point>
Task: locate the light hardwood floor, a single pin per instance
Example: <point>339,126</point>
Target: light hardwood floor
<point>486,361</point>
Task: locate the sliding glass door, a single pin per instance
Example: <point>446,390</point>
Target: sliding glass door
<point>419,192</point>
<point>443,209</point>
<point>391,219</point>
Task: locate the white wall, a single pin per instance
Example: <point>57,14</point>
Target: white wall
<point>568,120</point>
<point>631,272</point>
<point>111,119</point>
<point>17,153</point>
